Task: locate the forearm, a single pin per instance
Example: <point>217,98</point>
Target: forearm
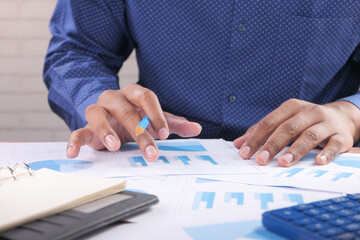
<point>89,45</point>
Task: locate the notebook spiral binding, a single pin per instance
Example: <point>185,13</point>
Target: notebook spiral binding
<point>13,170</point>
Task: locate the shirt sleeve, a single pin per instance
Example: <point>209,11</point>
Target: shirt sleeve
<point>90,41</point>
<point>355,99</point>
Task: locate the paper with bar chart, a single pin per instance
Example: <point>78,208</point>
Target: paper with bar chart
<point>196,205</point>
<point>177,157</point>
<point>341,175</point>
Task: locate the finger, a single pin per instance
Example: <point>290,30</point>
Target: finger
<point>126,114</point>
<point>181,126</point>
<point>266,126</point>
<point>149,103</point>
<point>308,140</point>
<point>240,141</point>
<point>77,139</point>
<point>334,146</point>
<point>286,132</point>
<point>97,118</point>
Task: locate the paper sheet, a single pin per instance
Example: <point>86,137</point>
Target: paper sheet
<point>341,175</point>
<point>179,157</point>
<point>190,207</point>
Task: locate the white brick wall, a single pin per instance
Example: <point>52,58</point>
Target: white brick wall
<point>24,37</point>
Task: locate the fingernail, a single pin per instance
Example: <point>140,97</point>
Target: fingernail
<point>264,156</point>
<point>245,151</point>
<point>69,148</point>
<point>323,159</point>
<point>150,151</point>
<point>288,157</point>
<point>110,141</point>
<point>163,133</point>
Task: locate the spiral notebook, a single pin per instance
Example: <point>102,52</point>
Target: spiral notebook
<point>27,195</point>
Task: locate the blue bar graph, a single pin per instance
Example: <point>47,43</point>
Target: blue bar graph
<point>134,160</point>
<point>264,198</point>
<point>231,231</point>
<point>207,197</point>
<point>181,146</point>
<point>234,195</point>
<point>341,175</point>
<point>318,173</point>
<point>169,146</point>
<point>309,157</point>
<point>289,172</point>
<point>185,159</point>
<point>207,158</point>
<point>62,165</point>
<point>295,198</point>
<point>164,159</point>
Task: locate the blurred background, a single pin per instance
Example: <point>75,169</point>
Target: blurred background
<point>24,36</point>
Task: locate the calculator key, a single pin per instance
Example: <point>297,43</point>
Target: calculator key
<point>340,199</point>
<point>322,203</point>
<point>333,207</point>
<point>330,232</point>
<point>314,211</point>
<point>345,212</point>
<point>346,236</point>
<point>350,204</point>
<point>326,216</point>
<point>352,227</point>
<point>305,221</point>
<point>302,207</point>
<point>288,214</point>
<point>354,196</point>
<point>318,226</point>
<point>356,217</point>
<point>339,221</point>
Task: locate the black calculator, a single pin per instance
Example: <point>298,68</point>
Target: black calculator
<point>336,218</point>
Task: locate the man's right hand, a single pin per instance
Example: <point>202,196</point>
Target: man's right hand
<point>114,118</point>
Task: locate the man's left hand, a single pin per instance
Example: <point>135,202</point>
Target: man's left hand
<point>334,126</point>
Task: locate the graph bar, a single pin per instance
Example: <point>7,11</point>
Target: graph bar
<point>62,165</point>
<point>234,195</point>
<point>295,198</point>
<point>318,173</point>
<point>207,197</point>
<point>134,160</point>
<point>185,159</point>
<point>232,230</point>
<point>347,161</point>
<point>309,157</point>
<point>169,146</point>
<point>181,146</point>
<point>163,158</point>
<point>290,172</point>
<point>264,198</point>
<point>341,175</point>
<point>207,158</point>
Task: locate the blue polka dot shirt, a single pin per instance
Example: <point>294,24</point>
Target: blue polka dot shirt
<point>224,63</point>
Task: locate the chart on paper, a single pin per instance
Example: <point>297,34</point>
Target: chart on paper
<point>198,199</point>
<point>179,157</point>
<point>341,175</point>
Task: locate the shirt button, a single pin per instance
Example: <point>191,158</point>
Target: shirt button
<point>242,27</point>
<point>231,98</point>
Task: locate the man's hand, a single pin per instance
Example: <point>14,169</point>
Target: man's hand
<point>334,126</point>
<point>113,120</point>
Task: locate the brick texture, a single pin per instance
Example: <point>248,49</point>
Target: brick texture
<point>24,36</point>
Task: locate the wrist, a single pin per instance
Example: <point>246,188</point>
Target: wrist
<point>352,113</point>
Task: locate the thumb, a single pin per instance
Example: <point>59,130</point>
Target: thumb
<point>181,126</point>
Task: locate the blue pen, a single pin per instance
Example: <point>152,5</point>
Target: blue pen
<point>142,125</point>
